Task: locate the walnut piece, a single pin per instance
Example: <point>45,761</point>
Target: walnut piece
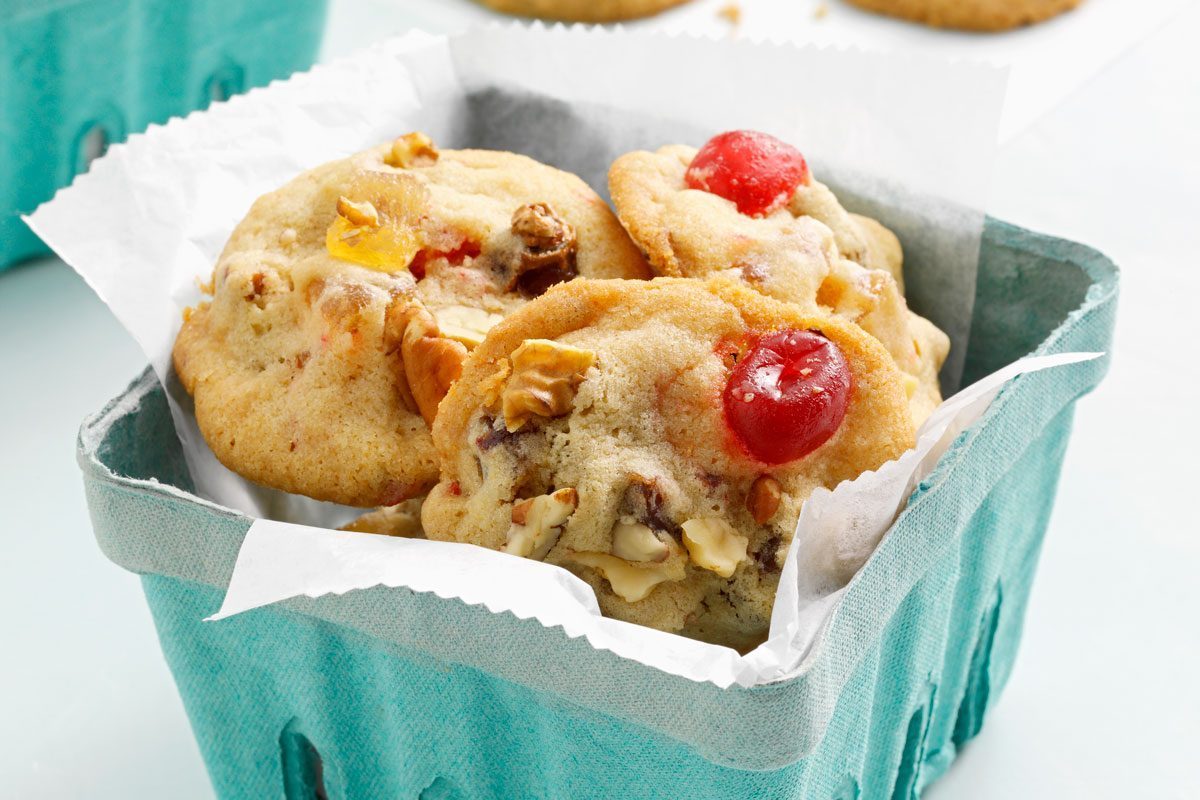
<point>432,363</point>
<point>634,541</point>
<point>545,376</point>
<point>548,253</point>
<point>465,324</point>
<point>537,522</point>
<point>360,215</point>
<point>411,149</point>
<point>714,545</point>
<point>630,582</point>
<point>763,499</point>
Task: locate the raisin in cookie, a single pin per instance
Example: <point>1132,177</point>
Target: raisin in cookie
<point>582,10</point>
<point>747,203</point>
<point>345,303</point>
<point>658,439</point>
<point>971,15</point>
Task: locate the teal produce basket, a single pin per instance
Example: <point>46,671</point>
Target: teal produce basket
<point>78,75</point>
<point>392,693</point>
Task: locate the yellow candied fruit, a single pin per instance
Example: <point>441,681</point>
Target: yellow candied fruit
<point>378,221</point>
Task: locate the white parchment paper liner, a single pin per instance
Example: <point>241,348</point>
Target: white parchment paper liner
<point>148,221</point>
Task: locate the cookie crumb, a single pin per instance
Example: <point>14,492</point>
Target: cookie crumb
<point>821,11</point>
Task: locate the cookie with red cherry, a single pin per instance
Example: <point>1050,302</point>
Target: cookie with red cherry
<point>747,203</point>
<point>345,303</point>
<point>658,439</point>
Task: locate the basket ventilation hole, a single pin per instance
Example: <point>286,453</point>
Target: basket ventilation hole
<point>910,760</point>
<point>223,84</point>
<point>848,791</point>
<point>92,144</point>
<point>440,789</point>
<point>969,721</point>
<point>303,772</point>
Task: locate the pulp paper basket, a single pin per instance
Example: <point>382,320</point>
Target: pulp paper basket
<point>78,75</point>
<point>391,693</point>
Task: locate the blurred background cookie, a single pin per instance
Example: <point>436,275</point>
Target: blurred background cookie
<point>582,10</point>
<point>971,15</point>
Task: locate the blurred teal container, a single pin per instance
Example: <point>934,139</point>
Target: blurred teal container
<point>392,693</point>
<point>78,75</point>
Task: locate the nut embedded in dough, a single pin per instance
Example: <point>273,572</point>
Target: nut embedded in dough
<point>634,541</point>
<point>432,363</point>
<point>537,523</point>
<point>411,149</point>
<point>548,253</point>
<point>545,375</point>
<point>629,581</point>
<point>465,324</point>
<point>362,215</point>
<point>714,545</point>
<point>763,500</point>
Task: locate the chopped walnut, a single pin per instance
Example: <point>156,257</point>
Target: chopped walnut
<point>431,363</point>
<point>537,522</point>
<point>714,545</point>
<point>361,215</point>
<point>545,376</point>
<point>634,541</point>
<point>629,581</point>
<point>411,149</point>
<point>465,324</point>
<point>548,253</point>
<point>763,499</point>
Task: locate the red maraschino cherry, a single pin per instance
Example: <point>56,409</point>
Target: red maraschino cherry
<point>787,395</point>
<point>758,172</point>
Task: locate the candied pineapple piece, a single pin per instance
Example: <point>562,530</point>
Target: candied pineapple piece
<point>378,222</point>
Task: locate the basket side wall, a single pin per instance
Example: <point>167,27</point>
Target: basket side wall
<point>107,68</point>
<point>389,720</point>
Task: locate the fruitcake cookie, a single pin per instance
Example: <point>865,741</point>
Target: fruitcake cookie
<point>971,15</point>
<point>582,10</point>
<point>658,439</point>
<point>345,303</point>
<point>746,203</point>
